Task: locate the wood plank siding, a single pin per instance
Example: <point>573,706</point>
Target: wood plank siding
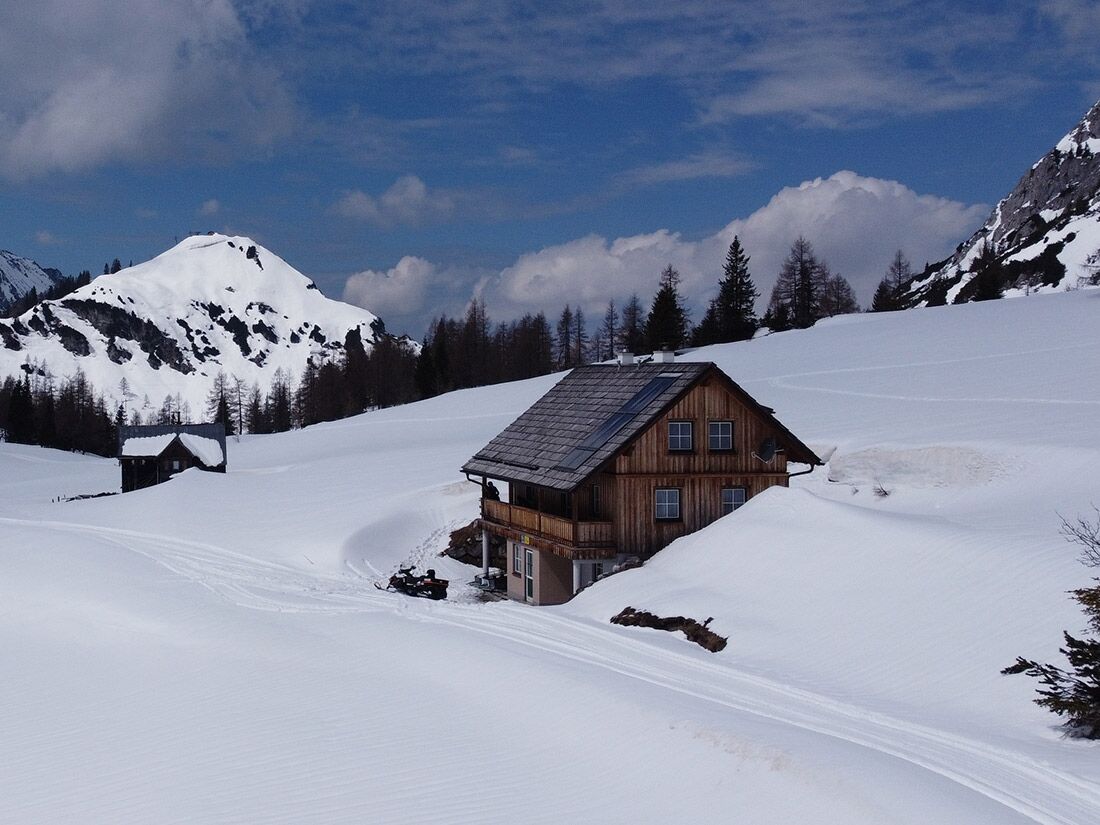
<point>585,463</point>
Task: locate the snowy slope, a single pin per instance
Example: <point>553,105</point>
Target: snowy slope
<point>18,276</point>
<point>169,325</point>
<point>213,650</point>
<point>1046,232</point>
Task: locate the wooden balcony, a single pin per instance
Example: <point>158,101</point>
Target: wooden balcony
<point>554,528</point>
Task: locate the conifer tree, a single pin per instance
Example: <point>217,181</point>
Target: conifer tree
<point>667,323</point>
<point>565,339</point>
<point>632,327</point>
<point>796,296</point>
<point>1075,693</point>
<point>735,306</point>
<point>607,336</point>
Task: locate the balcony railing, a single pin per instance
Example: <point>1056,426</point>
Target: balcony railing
<point>556,528</point>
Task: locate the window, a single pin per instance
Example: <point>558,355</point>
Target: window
<point>175,463</point>
<point>595,501</point>
<point>517,560</point>
<point>732,498</point>
<point>667,504</point>
<point>720,435</point>
<point>679,436</point>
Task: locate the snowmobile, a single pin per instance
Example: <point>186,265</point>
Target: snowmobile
<point>407,582</point>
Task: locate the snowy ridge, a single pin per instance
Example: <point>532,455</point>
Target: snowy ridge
<point>1046,232</point>
<point>211,303</point>
<point>18,276</point>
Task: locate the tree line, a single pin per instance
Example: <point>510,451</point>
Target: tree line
<point>456,353</point>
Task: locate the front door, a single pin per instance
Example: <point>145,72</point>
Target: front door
<point>529,576</point>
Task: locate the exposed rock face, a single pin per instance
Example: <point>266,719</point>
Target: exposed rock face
<point>1043,236</point>
<point>18,276</point>
<point>168,326</point>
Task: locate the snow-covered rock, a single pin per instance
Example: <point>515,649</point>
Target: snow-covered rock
<point>18,276</point>
<point>210,304</point>
<point>1045,233</point>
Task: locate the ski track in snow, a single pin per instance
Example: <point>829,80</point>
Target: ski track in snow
<point>785,382</point>
<point>1025,785</point>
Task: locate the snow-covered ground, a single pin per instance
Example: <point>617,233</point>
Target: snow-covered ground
<point>212,650</point>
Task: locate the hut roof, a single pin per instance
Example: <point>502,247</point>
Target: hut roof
<point>591,414</point>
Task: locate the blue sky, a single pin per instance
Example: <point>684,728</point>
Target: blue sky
<point>408,156</point>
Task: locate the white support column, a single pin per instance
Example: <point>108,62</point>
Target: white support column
<point>484,551</point>
<point>576,577</point>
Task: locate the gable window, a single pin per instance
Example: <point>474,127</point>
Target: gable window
<point>679,436</point>
<point>595,501</point>
<point>720,436</point>
<point>517,560</point>
<point>732,498</point>
<point>666,504</point>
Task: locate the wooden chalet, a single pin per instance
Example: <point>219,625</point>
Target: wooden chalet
<point>618,461</point>
<point>153,454</point>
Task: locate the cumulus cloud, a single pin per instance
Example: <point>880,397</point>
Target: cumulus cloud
<point>409,294</point>
<point>84,84</point>
<point>407,202</point>
<point>44,237</point>
<point>855,223</point>
<point>210,207</point>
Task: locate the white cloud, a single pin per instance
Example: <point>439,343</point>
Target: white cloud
<point>397,291</point>
<point>855,223</point>
<point>707,164</point>
<point>44,237</point>
<point>90,83</point>
<point>407,202</point>
<point>210,207</point>
<point>413,292</point>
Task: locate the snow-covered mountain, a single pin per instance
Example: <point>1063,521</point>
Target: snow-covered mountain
<point>18,276</point>
<point>211,303</point>
<point>1045,235</point>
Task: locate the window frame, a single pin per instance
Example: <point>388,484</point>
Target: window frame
<point>517,559</point>
<point>734,505</point>
<point>594,503</point>
<point>657,504</point>
<point>711,436</point>
<point>679,422</point>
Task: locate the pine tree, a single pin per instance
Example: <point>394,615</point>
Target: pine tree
<point>580,337</point>
<point>20,418</point>
<point>667,324</point>
<point>1075,693</point>
<point>795,298</point>
<point>889,295</point>
<point>632,328</point>
<point>565,339</point>
<point>608,334</point>
<point>836,296</point>
<point>735,306</point>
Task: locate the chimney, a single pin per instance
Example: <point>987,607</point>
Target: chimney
<point>664,356</point>
<point>626,359</point>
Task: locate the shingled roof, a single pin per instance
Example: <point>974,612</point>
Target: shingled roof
<point>589,415</point>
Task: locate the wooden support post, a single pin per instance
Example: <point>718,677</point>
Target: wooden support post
<point>576,577</point>
<point>484,551</point>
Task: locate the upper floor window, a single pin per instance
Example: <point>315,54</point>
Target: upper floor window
<point>595,501</point>
<point>732,498</point>
<point>720,435</point>
<point>666,504</point>
<point>679,436</point>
